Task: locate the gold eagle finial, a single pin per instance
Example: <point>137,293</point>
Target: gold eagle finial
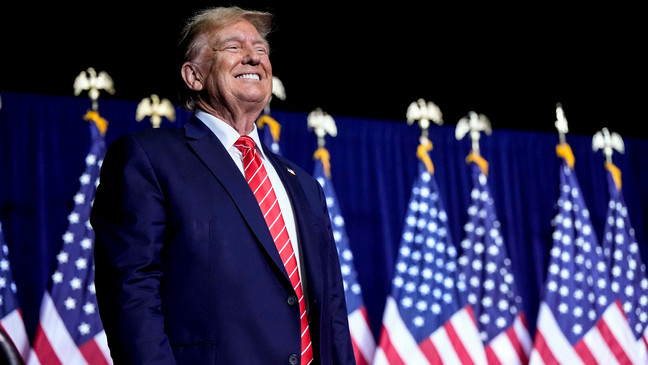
<point>156,108</point>
<point>93,82</point>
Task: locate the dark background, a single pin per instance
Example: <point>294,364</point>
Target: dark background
<point>512,63</point>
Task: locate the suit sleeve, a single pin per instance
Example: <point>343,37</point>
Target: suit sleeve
<point>342,347</point>
<point>128,217</point>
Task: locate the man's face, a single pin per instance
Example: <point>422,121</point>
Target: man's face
<point>237,66</point>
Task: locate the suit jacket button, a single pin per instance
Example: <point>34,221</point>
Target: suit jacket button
<point>293,359</point>
<point>292,300</point>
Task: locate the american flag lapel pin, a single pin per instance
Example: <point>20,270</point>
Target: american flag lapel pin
<point>291,171</point>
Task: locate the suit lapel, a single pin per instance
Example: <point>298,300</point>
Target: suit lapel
<point>310,251</point>
<point>213,154</point>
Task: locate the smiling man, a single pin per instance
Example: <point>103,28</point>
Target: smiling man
<point>209,248</point>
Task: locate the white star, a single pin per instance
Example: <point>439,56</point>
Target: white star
<point>406,302</point>
<point>79,198</point>
<point>500,322</point>
<point>57,277</point>
<point>62,257</point>
<point>73,218</point>
<point>421,305</point>
<point>91,160</point>
<point>70,303</point>
<point>355,288</point>
<point>75,283</point>
<point>563,308</point>
<point>418,321</point>
<point>68,237</point>
<point>81,263</point>
<point>84,179</point>
<point>4,265</point>
<point>398,281</point>
<point>89,308</point>
<point>86,243</point>
<point>84,328</point>
<point>487,301</point>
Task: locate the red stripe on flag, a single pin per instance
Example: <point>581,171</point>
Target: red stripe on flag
<point>92,353</point>
<point>612,342</point>
<point>522,318</point>
<point>540,346</point>
<point>491,357</point>
<point>459,347</point>
<point>363,310</point>
<point>390,352</point>
<point>515,342</point>
<point>584,352</point>
<point>430,352</point>
<point>44,350</point>
<point>360,360</point>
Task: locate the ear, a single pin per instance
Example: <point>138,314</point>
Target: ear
<point>192,76</point>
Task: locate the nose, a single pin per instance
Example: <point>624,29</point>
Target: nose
<point>250,56</point>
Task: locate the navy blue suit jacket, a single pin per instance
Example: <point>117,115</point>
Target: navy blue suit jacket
<point>186,269</point>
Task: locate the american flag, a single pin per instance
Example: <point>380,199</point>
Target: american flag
<point>70,331</point>
<point>579,320</point>
<point>11,320</point>
<point>364,344</point>
<point>425,320</point>
<point>628,273</point>
<point>267,123</point>
<point>487,272</point>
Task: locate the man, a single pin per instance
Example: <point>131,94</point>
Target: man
<point>187,267</point>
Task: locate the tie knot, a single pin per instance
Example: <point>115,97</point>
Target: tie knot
<point>244,144</point>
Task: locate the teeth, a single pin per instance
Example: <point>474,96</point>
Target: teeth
<point>248,76</point>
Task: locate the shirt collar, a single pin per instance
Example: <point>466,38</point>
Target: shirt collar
<point>226,133</point>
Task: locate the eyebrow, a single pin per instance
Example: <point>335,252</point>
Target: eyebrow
<point>238,38</point>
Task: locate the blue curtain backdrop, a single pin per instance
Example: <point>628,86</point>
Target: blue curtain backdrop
<point>44,140</point>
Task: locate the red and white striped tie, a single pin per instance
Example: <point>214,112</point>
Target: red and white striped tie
<point>257,178</point>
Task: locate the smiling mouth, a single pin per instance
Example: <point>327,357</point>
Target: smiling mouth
<point>249,77</point>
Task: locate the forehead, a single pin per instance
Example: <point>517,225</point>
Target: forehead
<point>238,31</point>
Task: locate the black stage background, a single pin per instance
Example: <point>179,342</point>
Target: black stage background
<point>512,63</point>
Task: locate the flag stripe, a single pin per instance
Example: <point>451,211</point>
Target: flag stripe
<point>469,335</point>
<point>388,350</point>
<point>523,335</point>
<point>516,344</point>
<point>406,346</point>
<point>43,350</point>
<point>612,330</point>
<point>542,353</point>
<point>441,340</point>
<point>363,341</point>
<point>558,348</point>
<point>14,326</point>
<point>430,351</point>
<point>53,336</point>
<point>92,353</point>
<point>457,344</point>
<point>102,343</point>
<point>357,354</point>
<point>507,347</point>
<point>491,357</point>
<point>592,348</point>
